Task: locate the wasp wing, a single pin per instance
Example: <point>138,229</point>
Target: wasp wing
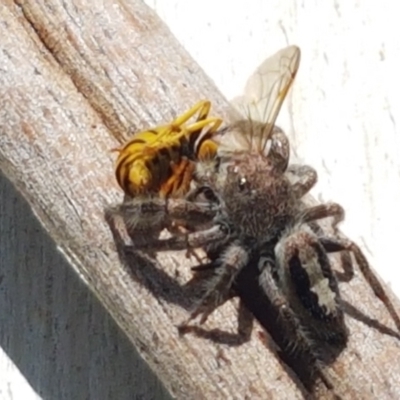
<point>266,90</point>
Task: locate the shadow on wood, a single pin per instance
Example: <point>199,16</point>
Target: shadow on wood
<point>53,329</point>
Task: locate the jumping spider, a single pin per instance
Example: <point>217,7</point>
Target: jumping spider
<point>257,213</point>
<point>248,206</point>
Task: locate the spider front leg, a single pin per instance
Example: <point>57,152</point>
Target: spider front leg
<point>145,218</point>
<point>334,244</point>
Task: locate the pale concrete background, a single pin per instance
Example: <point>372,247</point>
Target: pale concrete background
<point>344,110</point>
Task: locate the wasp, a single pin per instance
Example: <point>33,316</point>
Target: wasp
<point>248,208</point>
<point>158,160</point>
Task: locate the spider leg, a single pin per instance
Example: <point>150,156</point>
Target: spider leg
<point>306,278</point>
<point>334,244</point>
<point>324,211</point>
<point>306,179</point>
<point>145,218</point>
<point>219,287</point>
<point>336,211</point>
<point>187,241</point>
<point>288,318</point>
<point>137,212</point>
<point>297,336</point>
<point>279,152</point>
<point>245,322</point>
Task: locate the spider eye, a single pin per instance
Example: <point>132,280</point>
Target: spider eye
<point>210,195</point>
<point>242,184</point>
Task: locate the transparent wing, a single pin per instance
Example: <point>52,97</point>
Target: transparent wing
<point>266,90</point>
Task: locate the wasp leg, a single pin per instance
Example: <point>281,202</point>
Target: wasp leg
<point>178,183</point>
<point>208,147</point>
<point>333,244</point>
<point>307,178</point>
<point>199,125</point>
<point>202,107</point>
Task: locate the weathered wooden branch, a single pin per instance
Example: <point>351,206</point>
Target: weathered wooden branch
<point>76,80</point>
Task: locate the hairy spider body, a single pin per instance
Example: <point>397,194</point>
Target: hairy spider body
<point>268,222</point>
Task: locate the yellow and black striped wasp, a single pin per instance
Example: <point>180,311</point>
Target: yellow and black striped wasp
<point>161,160</point>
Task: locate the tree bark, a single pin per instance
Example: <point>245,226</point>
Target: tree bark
<point>78,79</point>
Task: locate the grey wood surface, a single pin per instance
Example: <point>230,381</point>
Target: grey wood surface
<point>52,328</point>
<point>76,79</point>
